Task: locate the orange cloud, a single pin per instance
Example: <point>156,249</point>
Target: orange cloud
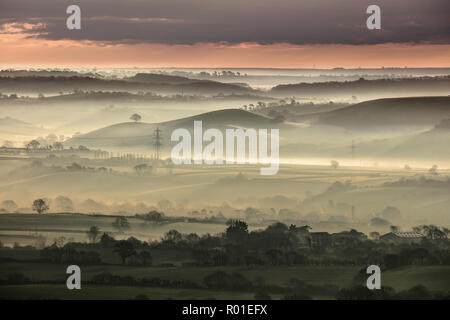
<point>25,49</point>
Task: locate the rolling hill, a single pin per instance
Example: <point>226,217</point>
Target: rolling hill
<point>367,89</point>
<point>390,112</point>
<point>162,84</point>
<point>431,144</point>
<point>131,134</point>
<point>11,126</point>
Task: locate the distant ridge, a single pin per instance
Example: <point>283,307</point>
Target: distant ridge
<point>371,89</point>
<point>415,111</point>
<point>161,84</point>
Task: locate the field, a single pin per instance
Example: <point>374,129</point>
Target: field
<point>200,199</point>
<point>299,188</point>
<point>435,278</point>
<point>25,228</point>
<point>37,292</point>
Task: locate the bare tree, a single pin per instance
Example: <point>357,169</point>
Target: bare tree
<point>40,206</point>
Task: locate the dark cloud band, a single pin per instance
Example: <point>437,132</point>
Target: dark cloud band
<point>235,21</point>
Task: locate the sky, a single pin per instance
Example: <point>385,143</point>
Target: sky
<point>232,33</point>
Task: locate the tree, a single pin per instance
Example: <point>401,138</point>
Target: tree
<point>74,167</point>
<point>93,233</point>
<point>121,224</point>
<point>58,146</point>
<point>433,170</point>
<point>165,204</point>
<point>379,222</point>
<point>124,249</point>
<point>40,206</point>
<point>143,168</point>
<point>446,231</point>
<point>432,232</point>
<point>107,241</point>
<point>237,230</point>
<point>9,205</point>
<point>8,144</point>
<point>172,236</point>
<point>334,164</point>
<point>154,216</point>
<point>135,117</point>
<point>392,214</point>
<point>145,257</point>
<point>64,204</point>
<point>33,144</point>
<point>395,229</point>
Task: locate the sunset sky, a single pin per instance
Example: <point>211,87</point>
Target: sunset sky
<point>232,33</point>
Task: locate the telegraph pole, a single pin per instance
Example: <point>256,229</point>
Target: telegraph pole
<point>157,142</point>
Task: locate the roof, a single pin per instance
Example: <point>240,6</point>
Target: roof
<point>408,234</point>
<point>405,234</point>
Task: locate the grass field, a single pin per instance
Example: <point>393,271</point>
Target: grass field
<point>435,278</point>
<point>340,276</point>
<point>368,195</point>
<point>24,228</point>
<point>89,292</point>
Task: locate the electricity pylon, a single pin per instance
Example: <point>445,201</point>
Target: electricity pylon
<point>157,142</point>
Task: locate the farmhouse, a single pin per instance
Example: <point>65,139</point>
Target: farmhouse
<point>409,237</point>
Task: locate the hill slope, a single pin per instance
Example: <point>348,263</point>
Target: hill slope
<point>130,134</point>
<point>420,111</point>
<point>141,82</point>
<point>12,126</point>
<point>432,144</point>
<point>367,89</point>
